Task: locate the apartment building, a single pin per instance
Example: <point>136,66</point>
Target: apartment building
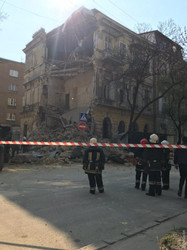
<point>11,90</point>
<point>82,66</point>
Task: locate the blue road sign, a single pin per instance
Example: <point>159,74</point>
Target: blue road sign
<point>83,117</point>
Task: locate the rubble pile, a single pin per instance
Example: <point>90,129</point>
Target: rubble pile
<point>64,154</point>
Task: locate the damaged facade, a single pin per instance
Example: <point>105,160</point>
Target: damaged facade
<point>77,68</point>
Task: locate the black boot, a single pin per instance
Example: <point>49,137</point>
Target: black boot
<point>180,193</point>
<point>150,194</point>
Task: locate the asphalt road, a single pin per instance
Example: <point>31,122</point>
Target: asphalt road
<point>51,208</point>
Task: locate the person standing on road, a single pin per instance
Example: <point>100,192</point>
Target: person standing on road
<point>154,157</point>
<point>1,157</point>
<point>180,160</point>
<point>140,166</point>
<point>93,164</point>
<point>166,166</point>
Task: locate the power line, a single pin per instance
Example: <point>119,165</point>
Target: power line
<point>106,11</point>
<point>2,5</point>
<point>123,11</point>
<point>28,11</point>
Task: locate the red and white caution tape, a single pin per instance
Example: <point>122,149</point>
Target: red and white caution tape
<point>122,145</point>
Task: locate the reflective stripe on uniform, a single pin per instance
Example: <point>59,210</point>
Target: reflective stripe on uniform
<point>152,183</point>
<point>90,159</point>
<point>98,156</point>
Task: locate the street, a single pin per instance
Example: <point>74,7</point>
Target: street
<point>49,207</point>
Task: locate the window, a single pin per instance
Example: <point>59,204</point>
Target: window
<point>106,92</point>
<point>12,87</point>
<point>121,96</point>
<point>108,44</point>
<point>13,73</point>
<point>67,97</point>
<point>11,117</point>
<point>164,70</point>
<point>121,127</point>
<point>162,105</point>
<point>11,101</point>
<point>122,49</point>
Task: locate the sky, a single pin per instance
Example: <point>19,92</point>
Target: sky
<point>25,17</point>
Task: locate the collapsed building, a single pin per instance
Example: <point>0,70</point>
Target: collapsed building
<point>76,68</point>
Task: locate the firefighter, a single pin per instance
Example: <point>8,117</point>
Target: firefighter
<point>154,157</point>
<point>140,166</point>
<point>166,166</point>
<point>180,160</point>
<point>1,157</point>
<point>93,164</point>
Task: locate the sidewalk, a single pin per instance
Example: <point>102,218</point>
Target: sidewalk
<point>148,239</point>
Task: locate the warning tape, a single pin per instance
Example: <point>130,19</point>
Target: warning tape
<point>122,145</point>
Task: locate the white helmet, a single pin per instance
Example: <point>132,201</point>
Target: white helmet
<point>93,140</point>
<point>164,142</point>
<point>153,138</point>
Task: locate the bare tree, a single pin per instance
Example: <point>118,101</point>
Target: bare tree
<point>176,33</point>
<point>143,27</point>
<point>144,67</point>
<point>176,99</point>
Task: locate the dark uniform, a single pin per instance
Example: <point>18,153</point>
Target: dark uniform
<point>180,158</point>
<point>140,169</point>
<point>166,167</point>
<point>154,157</point>
<point>1,157</point>
<point>93,164</point>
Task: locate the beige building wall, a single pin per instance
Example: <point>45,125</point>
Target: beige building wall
<point>80,90</point>
<point>117,115</point>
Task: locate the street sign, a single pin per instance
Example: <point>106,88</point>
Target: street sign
<point>82,126</point>
<point>83,117</point>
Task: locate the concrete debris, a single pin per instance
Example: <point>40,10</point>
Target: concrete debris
<point>64,154</point>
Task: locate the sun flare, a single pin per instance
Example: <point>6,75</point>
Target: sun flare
<point>67,5</point>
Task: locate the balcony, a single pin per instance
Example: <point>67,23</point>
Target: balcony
<point>112,56</point>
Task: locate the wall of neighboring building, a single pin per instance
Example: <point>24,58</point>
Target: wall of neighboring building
<point>99,113</point>
<point>11,85</point>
